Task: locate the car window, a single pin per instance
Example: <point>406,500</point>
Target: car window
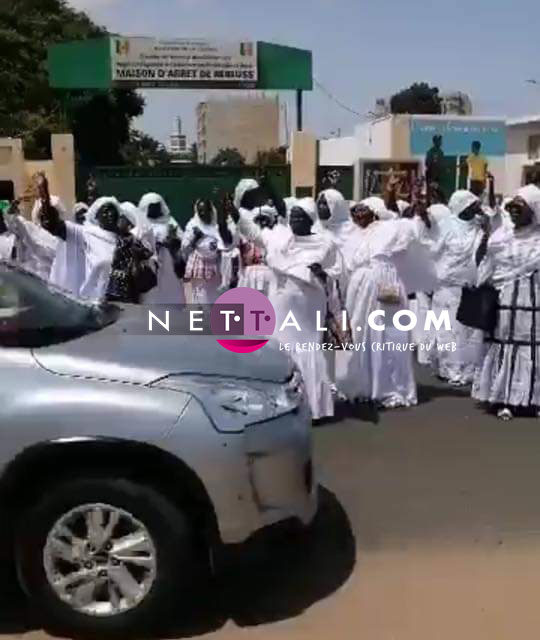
<point>31,312</point>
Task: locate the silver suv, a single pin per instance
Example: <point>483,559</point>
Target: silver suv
<point>125,459</point>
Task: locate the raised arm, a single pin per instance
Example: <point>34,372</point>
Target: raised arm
<point>49,217</point>
<point>53,223</point>
<point>251,231</point>
<point>390,195</point>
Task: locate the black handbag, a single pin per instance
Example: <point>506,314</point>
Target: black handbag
<point>478,307</point>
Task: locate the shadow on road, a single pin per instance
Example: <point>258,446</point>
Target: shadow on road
<point>429,392</point>
<point>274,576</point>
<point>15,618</point>
<point>278,575</point>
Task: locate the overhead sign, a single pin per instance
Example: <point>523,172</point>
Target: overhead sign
<point>183,62</point>
<point>458,134</point>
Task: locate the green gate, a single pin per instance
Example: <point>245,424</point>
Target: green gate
<point>180,185</point>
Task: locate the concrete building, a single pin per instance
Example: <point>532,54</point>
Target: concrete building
<point>16,173</point>
<point>401,142</point>
<point>523,153</point>
<point>178,143</point>
<point>456,103</point>
<point>249,124</point>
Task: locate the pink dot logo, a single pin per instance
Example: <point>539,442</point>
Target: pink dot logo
<point>244,319</point>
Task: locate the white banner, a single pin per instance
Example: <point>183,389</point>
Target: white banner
<point>183,61</point>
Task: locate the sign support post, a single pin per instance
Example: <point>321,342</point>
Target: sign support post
<point>299,110</point>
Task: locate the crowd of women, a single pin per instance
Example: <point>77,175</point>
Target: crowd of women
<point>314,259</point>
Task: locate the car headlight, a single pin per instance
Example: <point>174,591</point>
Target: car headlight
<point>234,404</point>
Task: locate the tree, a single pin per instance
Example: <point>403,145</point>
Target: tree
<point>419,98</point>
<point>272,157</point>
<point>29,108</point>
<point>143,151</point>
<point>228,158</point>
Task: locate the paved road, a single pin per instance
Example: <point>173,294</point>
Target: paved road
<point>429,530</point>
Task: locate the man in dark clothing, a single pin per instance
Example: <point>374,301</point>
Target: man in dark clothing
<point>435,161</point>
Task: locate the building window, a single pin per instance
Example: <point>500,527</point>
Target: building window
<point>7,190</point>
<point>534,147</point>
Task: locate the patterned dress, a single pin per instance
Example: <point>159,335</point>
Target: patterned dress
<point>124,285</point>
<point>510,373</point>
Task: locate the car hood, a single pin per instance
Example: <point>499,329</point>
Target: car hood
<point>116,353</point>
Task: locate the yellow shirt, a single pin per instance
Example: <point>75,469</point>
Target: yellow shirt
<point>477,167</point>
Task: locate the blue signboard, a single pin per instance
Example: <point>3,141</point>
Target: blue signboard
<point>458,135</point>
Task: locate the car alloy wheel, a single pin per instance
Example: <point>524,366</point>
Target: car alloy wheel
<point>100,560</point>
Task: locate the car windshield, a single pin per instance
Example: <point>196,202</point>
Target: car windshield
<point>33,313</point>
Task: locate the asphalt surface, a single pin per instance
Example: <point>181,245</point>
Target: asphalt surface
<point>429,529</point>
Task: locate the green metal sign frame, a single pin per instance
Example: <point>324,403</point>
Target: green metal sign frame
<point>87,64</point>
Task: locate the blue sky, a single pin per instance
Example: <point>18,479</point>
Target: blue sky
<point>362,50</point>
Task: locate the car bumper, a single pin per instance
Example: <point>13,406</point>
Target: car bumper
<point>279,456</point>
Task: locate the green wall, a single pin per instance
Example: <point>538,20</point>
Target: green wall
<point>180,185</point>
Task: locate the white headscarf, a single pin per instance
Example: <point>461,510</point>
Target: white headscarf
<point>159,225</point>
<point>309,206</point>
<point>245,185</point>
<point>457,242</point>
<point>196,219</point>
<point>289,204</point>
<point>340,224</point>
<point>438,212</point>
<point>142,229</point>
<point>129,211</point>
<point>511,252</point>
<point>461,200</point>
<point>378,206</point>
<point>531,195</point>
<point>268,212</point>
<point>91,216</point>
<point>154,198</point>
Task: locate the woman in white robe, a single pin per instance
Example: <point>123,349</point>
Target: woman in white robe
<point>454,252</point>
<point>299,261</point>
<point>89,259</point>
<point>202,245</point>
<point>254,272</point>
<point>159,230</point>
<point>334,219</point>
<point>423,338</point>
<point>250,201</point>
<point>509,376</point>
<point>382,257</point>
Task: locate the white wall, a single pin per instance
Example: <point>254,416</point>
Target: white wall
<point>517,155</point>
<point>338,151</point>
<point>371,140</point>
<point>375,139</point>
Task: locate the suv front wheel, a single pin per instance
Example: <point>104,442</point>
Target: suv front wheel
<point>106,557</point>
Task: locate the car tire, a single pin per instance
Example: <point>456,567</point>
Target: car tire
<point>178,568</point>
